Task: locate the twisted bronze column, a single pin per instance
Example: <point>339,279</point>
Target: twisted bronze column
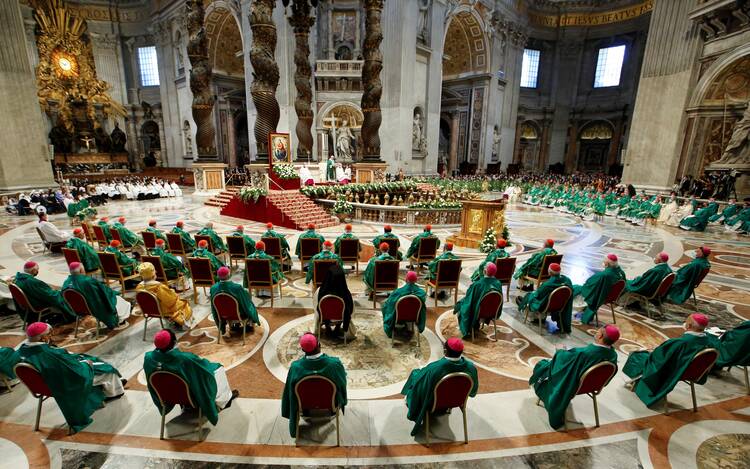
<point>200,80</point>
<point>371,84</point>
<point>301,22</point>
<point>265,73</point>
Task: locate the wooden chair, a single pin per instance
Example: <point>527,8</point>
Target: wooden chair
<point>614,294</point>
<point>161,275</point>
<point>80,306</point>
<point>700,365</point>
<point>308,247</point>
<point>101,238</point>
<point>320,268</point>
<point>202,275</point>
<point>349,252</point>
<point>111,270</point>
<point>236,248</point>
<point>260,276</point>
<point>228,309</point>
<point>52,246</point>
<point>171,389</point>
<point>150,307</point>
<point>273,249</point>
<point>393,245</point>
<point>331,308</point>
<point>698,281</point>
<point>316,394</point>
<point>427,251</point>
<point>451,391</point>
<point>544,270</point>
<point>385,278</point>
<point>490,308</point>
<point>658,294</point>
<point>175,245</point>
<point>448,275</point>
<point>593,381</point>
<point>34,381</point>
<point>88,235</point>
<point>71,255</point>
<point>408,308</point>
<point>116,236</point>
<point>211,247</point>
<point>556,302</point>
<point>22,302</point>
<point>149,239</point>
<point>506,267</point>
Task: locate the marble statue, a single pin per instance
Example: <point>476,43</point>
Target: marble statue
<point>188,135</point>
<point>738,148</point>
<point>424,10</point>
<point>118,139</point>
<point>496,142</point>
<point>418,140</point>
<point>344,137</point>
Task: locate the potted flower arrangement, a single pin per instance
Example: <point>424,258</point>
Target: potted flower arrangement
<point>342,208</point>
<point>285,171</point>
<point>248,193</point>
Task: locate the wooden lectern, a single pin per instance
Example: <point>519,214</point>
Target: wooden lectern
<point>477,217</point>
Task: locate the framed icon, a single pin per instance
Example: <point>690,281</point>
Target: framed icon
<point>279,148</point>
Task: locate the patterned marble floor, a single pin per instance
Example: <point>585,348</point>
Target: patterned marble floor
<point>506,429</point>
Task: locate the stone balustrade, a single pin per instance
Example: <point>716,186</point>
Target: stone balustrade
<point>398,214</point>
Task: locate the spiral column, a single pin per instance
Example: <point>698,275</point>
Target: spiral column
<point>265,73</point>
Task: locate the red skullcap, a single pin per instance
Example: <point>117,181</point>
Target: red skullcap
<point>203,243</point>
<point>411,276</point>
<point>308,342</point>
<point>240,228</point>
<point>37,328</point>
<point>348,227</point>
<point>160,242</point>
<point>114,243</point>
<point>328,244</point>
<point>260,245</point>
<point>612,332</point>
<point>30,265</point>
<point>152,222</point>
<point>74,266</point>
<point>384,246</point>
<point>501,243</point>
<point>104,219</point>
<point>554,267</point>
<point>449,246</point>
<point>180,223</point>
<point>455,344</point>
<point>121,219</point>
<point>612,257</point>
<point>223,272</point>
<point>428,228</point>
<point>269,225</point>
<point>311,226</point>
<point>162,339</point>
<point>700,319</point>
<point>706,250</point>
<point>663,256</point>
<point>550,242</point>
<point>387,228</point>
<point>491,269</point>
<point>78,231</point>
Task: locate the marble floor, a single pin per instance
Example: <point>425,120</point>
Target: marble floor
<point>506,428</point>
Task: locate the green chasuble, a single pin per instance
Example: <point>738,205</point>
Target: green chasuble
<point>647,283</point>
<point>276,272</point>
<point>369,277</point>
<point>127,264</point>
<point>72,209</point>
<point>70,379</point>
<point>537,299</point>
<point>171,264</point>
<point>555,381</point>
<point>534,264</point>
<point>41,295</point>
<point>328,367</point>
<point>658,372</point>
<point>419,388</point>
<point>467,307</point>
<point>687,275</point>
<point>742,216</point>
<point>433,265</point>
<point>187,241</point>
<point>389,307</point>
<point>245,303</point>
<point>197,372</point>
<point>699,220</point>
<point>493,256</point>
<point>129,239</point>
<point>282,240</point>
<point>728,212</point>
<point>337,243</point>
<point>414,247</point>
<point>105,227</point>
<point>101,299</point>
<point>319,256</point>
<point>8,359</point>
<point>157,233</point>
<point>215,239</point>
<point>88,256</point>
<point>596,289</point>
<point>735,347</point>
<point>379,239</point>
<point>308,234</point>
<point>216,264</point>
<point>249,243</point>
<point>330,170</point>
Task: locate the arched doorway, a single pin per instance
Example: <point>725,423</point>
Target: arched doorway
<point>338,128</point>
<point>594,142</point>
<point>527,152</point>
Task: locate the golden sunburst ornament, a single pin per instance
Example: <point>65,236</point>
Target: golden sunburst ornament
<point>66,65</point>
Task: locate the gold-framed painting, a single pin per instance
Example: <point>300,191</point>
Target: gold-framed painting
<point>279,148</point>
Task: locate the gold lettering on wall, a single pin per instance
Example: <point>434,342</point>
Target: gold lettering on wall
<point>591,19</point>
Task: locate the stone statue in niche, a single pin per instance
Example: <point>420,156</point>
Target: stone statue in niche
<point>496,139</point>
<point>118,139</point>
<point>418,140</point>
<point>422,20</point>
<point>344,138</point>
<point>188,135</point>
<point>103,141</point>
<point>737,150</point>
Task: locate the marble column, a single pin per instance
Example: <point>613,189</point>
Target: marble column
<point>301,21</point>
<point>172,152</point>
<point>371,84</point>
<point>24,161</point>
<point>453,151</point>
<point>266,73</point>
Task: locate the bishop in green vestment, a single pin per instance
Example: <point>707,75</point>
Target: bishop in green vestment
<point>86,253</point>
<point>127,264</point>
<point>347,235</point>
<point>129,239</point>
<point>389,307</point>
<point>171,264</point>
<point>157,232</point>
<point>369,276</point>
<point>206,380</point>
<point>39,294</point>
<point>326,253</point>
<point>656,373</point>
<point>447,255</point>
<point>687,276</point>
<point>467,307</point>
<point>698,220</point>
<point>202,251</point>
<point>387,234</point>
<point>103,223</point>
<point>729,211</point>
<point>314,363</point>
<point>537,300</point>
<point>244,302</point>
<point>8,359</point>
<point>218,243</point>
<point>735,347</point>
<point>499,253</point>
<point>330,169</point>
<point>556,381</point>
<point>271,233</point>
<point>596,289</point>
<point>414,247</point>
<point>647,283</point>
<point>419,388</point>
<point>260,253</point>
<point>532,266</point>
<point>79,383</point>
<point>309,234</point>
<point>187,241</point>
<point>249,243</point>
<point>105,304</point>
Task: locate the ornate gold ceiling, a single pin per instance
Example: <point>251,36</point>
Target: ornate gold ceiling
<point>224,43</point>
<point>465,46</point>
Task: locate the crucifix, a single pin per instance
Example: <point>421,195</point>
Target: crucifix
<point>332,121</point>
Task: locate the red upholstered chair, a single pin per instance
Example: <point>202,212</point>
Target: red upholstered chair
<point>490,308</point>
<point>150,307</point>
<point>698,281</point>
<point>594,380</point>
<point>320,268</point>
<point>273,249</point>
<point>202,275</point>
<point>448,275</point>
<point>544,271</point>
<point>506,267</point>
<point>556,302</point>
<point>116,236</point>
<point>331,308</point>
<point>451,391</point>
<point>80,306</point>
<point>175,245</point>
<point>88,235</point>
<point>349,252</point>
<point>260,277</point>
<point>101,238</point>
<point>171,389</point>
<point>701,364</point>
<point>228,309</point>
<point>33,380</point>
<point>614,294</point>
<point>408,308</point>
<point>236,248</point>
<point>22,302</point>
<point>161,275</point>
<point>207,239</point>
<point>149,239</point>
<point>308,247</point>
<point>660,292</point>
<point>316,394</point>
<point>385,278</point>
<point>393,244</point>
<point>427,251</point>
<point>111,270</point>
<point>71,255</point>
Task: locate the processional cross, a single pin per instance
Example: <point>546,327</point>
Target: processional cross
<point>333,120</point>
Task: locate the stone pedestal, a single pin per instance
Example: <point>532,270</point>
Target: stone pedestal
<point>476,218</point>
<point>742,183</point>
<point>208,177</point>
<point>367,172</point>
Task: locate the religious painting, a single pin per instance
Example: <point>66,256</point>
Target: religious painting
<point>344,26</point>
<point>279,148</point>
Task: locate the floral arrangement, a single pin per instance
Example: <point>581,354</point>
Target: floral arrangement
<point>437,204</point>
<point>375,187</point>
<point>342,206</point>
<point>285,171</point>
<point>248,193</point>
<point>85,213</point>
<point>489,242</point>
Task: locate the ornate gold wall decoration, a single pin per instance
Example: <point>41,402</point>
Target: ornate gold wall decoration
<point>597,131</point>
<point>465,46</point>
<point>590,19</point>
